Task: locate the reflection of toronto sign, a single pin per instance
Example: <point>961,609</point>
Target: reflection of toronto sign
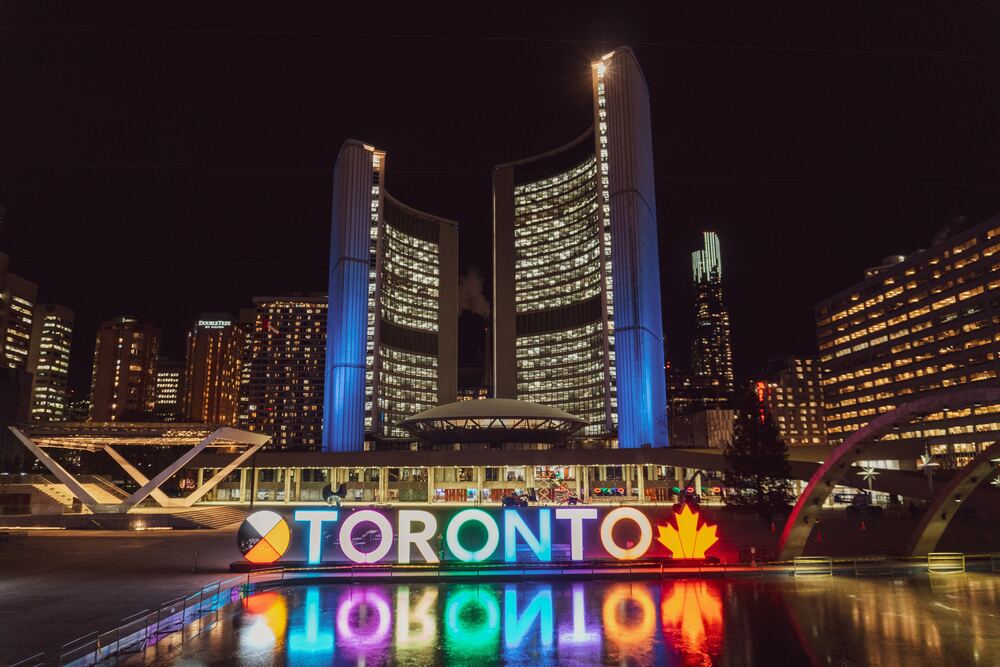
<point>541,534</point>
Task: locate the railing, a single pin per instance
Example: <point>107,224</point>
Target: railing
<point>138,632</point>
<point>945,562</point>
<point>815,566</point>
<point>37,660</point>
<point>874,566</point>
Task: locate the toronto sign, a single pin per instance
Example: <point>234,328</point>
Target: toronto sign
<point>474,535</point>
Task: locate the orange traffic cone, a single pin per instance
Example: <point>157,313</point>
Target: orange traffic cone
<point>772,526</point>
<point>863,527</point>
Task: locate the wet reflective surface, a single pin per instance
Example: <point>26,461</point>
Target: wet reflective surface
<point>941,620</point>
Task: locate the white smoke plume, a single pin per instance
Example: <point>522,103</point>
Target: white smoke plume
<point>470,294</point>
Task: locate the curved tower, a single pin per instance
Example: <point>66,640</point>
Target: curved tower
<point>393,318</point>
<point>576,289</point>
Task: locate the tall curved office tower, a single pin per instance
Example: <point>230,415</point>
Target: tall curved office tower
<point>576,289</point>
<point>393,319</point>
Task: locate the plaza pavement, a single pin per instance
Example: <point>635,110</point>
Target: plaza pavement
<point>56,586</point>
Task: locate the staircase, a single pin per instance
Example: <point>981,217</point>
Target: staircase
<point>209,517</point>
<point>61,494</point>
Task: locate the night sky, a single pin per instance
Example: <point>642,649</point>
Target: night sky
<point>179,161</point>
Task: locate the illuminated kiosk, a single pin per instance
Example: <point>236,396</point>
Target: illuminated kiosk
<point>493,420</point>
<point>106,436</point>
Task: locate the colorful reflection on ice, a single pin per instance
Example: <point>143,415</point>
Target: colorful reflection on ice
<point>482,622</point>
<point>673,622</point>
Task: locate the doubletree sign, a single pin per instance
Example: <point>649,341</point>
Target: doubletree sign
<point>541,534</point>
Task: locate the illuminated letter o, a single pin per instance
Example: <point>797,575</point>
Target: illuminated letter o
<point>385,532</point>
<point>645,533</point>
<point>492,535</point>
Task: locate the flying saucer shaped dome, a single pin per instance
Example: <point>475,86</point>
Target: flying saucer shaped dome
<point>493,420</point>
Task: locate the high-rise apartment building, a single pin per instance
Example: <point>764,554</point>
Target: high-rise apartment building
<point>18,297</point>
<point>576,288</point>
<point>711,354</point>
<point>168,390</point>
<point>247,321</point>
<point>17,304</point>
<point>212,378</point>
<point>48,361</point>
<point>793,396</point>
<point>924,323</point>
<point>284,382</point>
<point>123,380</point>
<point>393,313</point>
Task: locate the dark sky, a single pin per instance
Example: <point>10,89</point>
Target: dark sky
<point>165,161</point>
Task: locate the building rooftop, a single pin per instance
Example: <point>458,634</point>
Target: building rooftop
<point>493,420</point>
<point>93,436</point>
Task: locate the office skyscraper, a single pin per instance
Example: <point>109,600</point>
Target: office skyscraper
<point>393,315</point>
<point>284,382</point>
<point>48,361</point>
<point>576,288</point>
<point>712,354</point>
<point>212,375</point>
<point>123,380</point>
<point>792,394</point>
<point>168,390</point>
<point>17,306</point>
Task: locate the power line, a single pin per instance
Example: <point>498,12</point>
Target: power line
<point>486,173</point>
<point>509,38</point>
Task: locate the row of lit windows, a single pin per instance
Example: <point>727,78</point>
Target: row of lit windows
<point>930,264</point>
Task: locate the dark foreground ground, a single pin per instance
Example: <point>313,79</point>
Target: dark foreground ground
<point>56,586</point>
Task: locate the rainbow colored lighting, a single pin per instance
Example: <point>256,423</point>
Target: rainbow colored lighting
<point>368,536</point>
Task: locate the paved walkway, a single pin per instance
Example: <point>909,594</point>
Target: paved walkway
<point>56,586</point>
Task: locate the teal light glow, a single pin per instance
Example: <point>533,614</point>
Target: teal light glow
<point>492,536</point>
<point>541,544</point>
<point>515,627</point>
<point>309,639</point>
<point>472,621</point>
<point>315,519</point>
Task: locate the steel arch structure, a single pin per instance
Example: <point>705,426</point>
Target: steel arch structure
<point>949,500</point>
<point>856,448</point>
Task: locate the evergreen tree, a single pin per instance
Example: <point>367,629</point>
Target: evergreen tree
<point>757,468</point>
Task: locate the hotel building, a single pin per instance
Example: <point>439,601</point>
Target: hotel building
<point>393,314</point>
<point>212,374</point>
<point>712,353</point>
<point>793,396</point>
<point>283,385</point>
<point>48,361</point>
<point>123,380</point>
<point>918,324</point>
<point>576,288</point>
